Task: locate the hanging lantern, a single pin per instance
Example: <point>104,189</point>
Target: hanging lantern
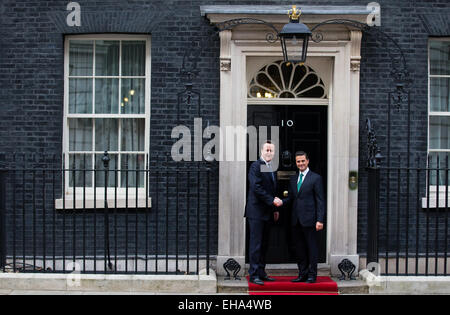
<point>294,38</point>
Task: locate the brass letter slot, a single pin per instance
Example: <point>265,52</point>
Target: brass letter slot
<point>285,175</point>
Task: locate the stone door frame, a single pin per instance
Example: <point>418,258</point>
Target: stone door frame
<point>343,46</point>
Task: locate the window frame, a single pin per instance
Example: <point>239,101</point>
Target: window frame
<point>432,186</point>
<point>82,192</point>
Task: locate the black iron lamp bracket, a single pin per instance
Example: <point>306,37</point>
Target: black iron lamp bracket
<point>230,24</point>
<point>399,69</point>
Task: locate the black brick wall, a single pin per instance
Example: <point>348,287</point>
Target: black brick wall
<point>32,56</point>
<point>411,24</point>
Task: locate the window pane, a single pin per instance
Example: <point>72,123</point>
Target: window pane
<point>133,135</point>
<point>106,96</point>
<point>80,96</point>
<point>106,135</point>
<point>130,166</point>
<point>133,96</point>
<point>269,84</point>
<point>439,132</point>
<point>294,48</point>
<point>133,58</point>
<point>81,57</point>
<point>80,134</point>
<point>107,58</point>
<point>79,165</point>
<point>101,174</point>
<point>440,57</point>
<point>442,167</point>
<point>440,94</point>
<point>259,92</point>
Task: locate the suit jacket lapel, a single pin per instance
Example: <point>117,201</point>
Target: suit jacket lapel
<point>268,174</point>
<point>294,185</point>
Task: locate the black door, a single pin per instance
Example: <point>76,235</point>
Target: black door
<point>300,128</point>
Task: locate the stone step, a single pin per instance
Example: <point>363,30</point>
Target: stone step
<point>232,286</point>
<point>241,286</point>
<point>161,284</point>
<point>353,287</point>
<point>289,271</point>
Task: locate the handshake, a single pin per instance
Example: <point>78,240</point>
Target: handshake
<point>277,202</point>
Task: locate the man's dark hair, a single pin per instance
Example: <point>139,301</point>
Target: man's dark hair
<point>301,153</point>
<point>266,142</point>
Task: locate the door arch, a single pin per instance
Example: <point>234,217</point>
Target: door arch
<point>281,79</point>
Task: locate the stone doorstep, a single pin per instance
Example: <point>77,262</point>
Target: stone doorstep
<point>352,287</point>
<point>241,286</point>
<point>169,284</point>
<point>291,270</point>
<point>232,286</point>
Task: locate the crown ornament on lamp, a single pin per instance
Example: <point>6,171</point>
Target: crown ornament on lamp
<point>294,13</point>
<point>295,38</point>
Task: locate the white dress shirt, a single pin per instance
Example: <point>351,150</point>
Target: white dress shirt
<point>304,174</point>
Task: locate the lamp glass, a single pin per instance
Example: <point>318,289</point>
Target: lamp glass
<point>295,48</point>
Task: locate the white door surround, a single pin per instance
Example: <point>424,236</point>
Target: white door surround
<point>340,45</point>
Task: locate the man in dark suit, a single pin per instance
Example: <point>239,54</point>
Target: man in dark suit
<point>261,206</point>
<point>306,197</point>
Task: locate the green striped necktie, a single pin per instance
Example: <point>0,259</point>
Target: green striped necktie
<point>299,184</point>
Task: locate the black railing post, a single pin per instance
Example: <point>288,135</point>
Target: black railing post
<point>373,169</point>
<point>2,219</point>
<point>105,161</point>
<point>208,214</point>
<point>373,213</point>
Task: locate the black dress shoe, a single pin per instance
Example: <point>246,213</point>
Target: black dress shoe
<point>257,281</point>
<point>311,280</point>
<point>300,279</point>
<point>266,278</point>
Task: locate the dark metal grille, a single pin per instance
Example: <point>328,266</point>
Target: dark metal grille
<point>409,217</point>
<point>168,231</point>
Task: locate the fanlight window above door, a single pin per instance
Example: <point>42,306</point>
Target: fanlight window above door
<point>285,80</point>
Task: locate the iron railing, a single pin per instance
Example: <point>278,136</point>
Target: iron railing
<point>54,218</point>
<point>408,217</point>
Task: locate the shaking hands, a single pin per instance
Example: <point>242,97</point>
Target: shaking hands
<point>277,202</point>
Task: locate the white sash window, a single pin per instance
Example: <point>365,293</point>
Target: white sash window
<point>439,106</point>
<point>106,108</point>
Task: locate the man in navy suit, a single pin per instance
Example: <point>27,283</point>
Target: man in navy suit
<point>306,197</point>
<point>261,206</point>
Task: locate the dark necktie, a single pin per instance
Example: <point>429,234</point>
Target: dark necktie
<point>269,165</point>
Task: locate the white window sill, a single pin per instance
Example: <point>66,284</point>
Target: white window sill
<point>88,202</point>
<point>431,202</point>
